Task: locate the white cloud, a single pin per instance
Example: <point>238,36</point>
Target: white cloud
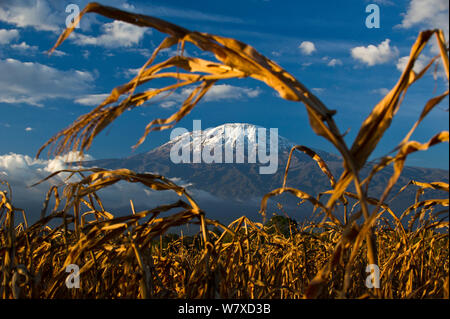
<point>75,157</point>
<point>381,91</point>
<point>131,72</point>
<point>19,100</point>
<point>219,92</point>
<point>28,129</point>
<point>39,14</point>
<point>420,63</point>
<point>58,53</point>
<point>50,15</point>
<point>22,171</point>
<point>115,34</point>
<point>171,52</point>
<point>372,55</point>
<point>128,6</point>
<point>431,13</point>
<point>91,99</point>
<point>227,92</point>
<point>6,36</point>
<point>86,54</point>
<point>276,53</point>
<point>32,83</point>
<point>307,47</point>
<point>168,104</point>
<point>334,62</point>
<point>23,46</point>
<point>318,90</point>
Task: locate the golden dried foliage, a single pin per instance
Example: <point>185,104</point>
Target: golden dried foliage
<point>121,257</point>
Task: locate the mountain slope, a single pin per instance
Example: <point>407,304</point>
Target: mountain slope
<point>242,182</point>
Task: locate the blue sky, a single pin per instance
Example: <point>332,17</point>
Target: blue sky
<point>324,44</point>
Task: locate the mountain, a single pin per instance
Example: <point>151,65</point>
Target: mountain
<point>240,186</point>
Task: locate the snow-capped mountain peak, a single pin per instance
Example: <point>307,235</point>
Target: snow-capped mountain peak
<point>231,134</point>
